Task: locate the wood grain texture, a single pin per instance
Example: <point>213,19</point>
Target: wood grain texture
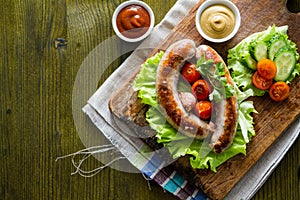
<point>268,129</point>
<point>36,122</point>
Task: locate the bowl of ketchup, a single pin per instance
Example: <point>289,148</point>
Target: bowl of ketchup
<point>133,21</point>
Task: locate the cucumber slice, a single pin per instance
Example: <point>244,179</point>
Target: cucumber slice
<point>259,50</point>
<point>275,46</point>
<point>249,61</point>
<point>285,61</point>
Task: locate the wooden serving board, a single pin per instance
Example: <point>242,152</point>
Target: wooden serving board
<point>272,118</point>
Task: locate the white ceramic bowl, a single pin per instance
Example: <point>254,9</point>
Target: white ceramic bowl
<point>226,3</point>
<point>123,5</point>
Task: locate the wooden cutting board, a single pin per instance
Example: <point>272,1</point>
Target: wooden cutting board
<point>272,118</point>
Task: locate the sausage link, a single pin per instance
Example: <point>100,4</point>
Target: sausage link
<point>222,127</point>
<point>225,112</point>
<point>168,73</point>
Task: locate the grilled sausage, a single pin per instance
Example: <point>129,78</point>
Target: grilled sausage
<point>188,100</point>
<point>168,73</point>
<point>222,127</point>
<point>225,112</point>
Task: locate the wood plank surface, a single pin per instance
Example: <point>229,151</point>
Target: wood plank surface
<point>268,126</point>
<point>37,74</point>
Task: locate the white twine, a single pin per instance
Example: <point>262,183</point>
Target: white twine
<point>148,180</point>
<point>86,153</point>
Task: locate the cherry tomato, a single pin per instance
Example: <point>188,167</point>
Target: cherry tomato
<point>201,89</point>
<point>279,91</point>
<point>190,73</point>
<point>203,109</point>
<point>266,68</point>
<point>260,82</point>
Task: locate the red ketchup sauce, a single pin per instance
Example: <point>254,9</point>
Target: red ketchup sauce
<point>133,21</point>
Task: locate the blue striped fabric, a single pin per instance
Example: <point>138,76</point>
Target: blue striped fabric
<point>170,180</point>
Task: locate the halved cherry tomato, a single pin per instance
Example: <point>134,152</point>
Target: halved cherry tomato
<point>201,89</point>
<point>279,91</point>
<point>190,73</point>
<point>260,82</point>
<point>203,109</point>
<point>266,68</point>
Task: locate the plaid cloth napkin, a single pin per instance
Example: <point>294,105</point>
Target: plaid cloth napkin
<point>150,164</point>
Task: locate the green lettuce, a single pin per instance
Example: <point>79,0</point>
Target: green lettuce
<point>241,72</point>
<point>201,156</point>
<point>145,80</point>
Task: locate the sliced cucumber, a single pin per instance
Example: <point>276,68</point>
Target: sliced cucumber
<point>259,50</point>
<point>285,61</point>
<point>249,61</point>
<point>275,46</point>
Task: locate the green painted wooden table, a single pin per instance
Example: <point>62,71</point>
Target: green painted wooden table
<point>43,44</point>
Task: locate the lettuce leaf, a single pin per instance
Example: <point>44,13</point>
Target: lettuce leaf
<point>242,76</point>
<point>178,144</point>
<point>241,73</point>
<point>145,80</point>
<point>245,120</point>
<point>201,155</point>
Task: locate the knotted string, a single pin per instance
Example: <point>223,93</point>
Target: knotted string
<point>85,154</point>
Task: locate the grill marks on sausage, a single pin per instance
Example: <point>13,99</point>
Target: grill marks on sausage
<point>222,138</point>
<point>167,101</point>
<point>166,97</point>
<point>168,74</point>
<point>222,129</point>
<point>227,137</point>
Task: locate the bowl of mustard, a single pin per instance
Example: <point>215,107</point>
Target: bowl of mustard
<point>217,20</point>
